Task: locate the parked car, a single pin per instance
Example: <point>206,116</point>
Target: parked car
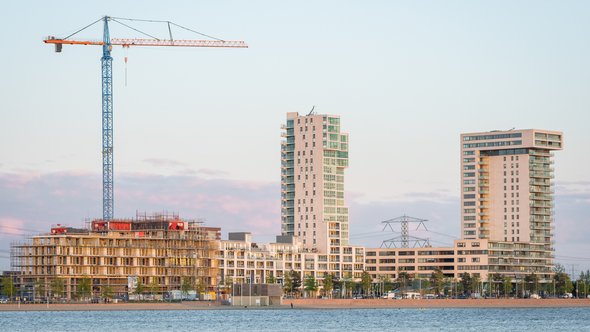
<point>535,296</point>
<point>389,295</point>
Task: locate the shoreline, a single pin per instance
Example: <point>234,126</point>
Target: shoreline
<point>311,304</point>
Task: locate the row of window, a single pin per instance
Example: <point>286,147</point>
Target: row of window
<point>491,136</point>
<point>491,144</point>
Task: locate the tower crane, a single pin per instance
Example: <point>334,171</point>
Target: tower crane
<point>107,83</point>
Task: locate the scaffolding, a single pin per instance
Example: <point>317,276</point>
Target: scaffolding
<point>151,252</point>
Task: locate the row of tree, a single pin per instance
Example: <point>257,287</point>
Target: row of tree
<point>293,284</point>
<point>439,284</point>
<point>84,289</point>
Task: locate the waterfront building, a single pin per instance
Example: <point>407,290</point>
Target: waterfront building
<point>314,155</point>
<point>159,250</point>
<point>506,225</point>
<point>506,187</point>
<point>421,262</point>
<point>244,261</point>
<point>507,197</point>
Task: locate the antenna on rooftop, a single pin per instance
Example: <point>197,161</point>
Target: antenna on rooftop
<point>311,112</point>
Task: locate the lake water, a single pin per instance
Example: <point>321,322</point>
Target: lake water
<point>366,320</point>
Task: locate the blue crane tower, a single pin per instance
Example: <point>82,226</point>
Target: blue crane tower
<point>106,63</point>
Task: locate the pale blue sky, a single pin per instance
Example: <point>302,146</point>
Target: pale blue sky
<point>407,77</point>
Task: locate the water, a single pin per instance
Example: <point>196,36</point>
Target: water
<point>366,320</point>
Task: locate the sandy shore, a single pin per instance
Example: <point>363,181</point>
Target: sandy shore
<point>312,304</point>
<point>438,303</point>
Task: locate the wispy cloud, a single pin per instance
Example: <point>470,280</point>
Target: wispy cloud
<point>163,162</point>
<point>212,172</point>
<point>11,226</point>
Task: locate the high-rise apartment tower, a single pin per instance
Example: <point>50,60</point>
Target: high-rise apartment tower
<point>506,185</point>
<point>314,155</point>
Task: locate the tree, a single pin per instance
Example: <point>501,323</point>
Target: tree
<point>8,288</point>
<point>57,287</point>
<point>437,280</point>
<point>200,286</point>
<point>154,286</point>
<point>466,282</point>
<point>270,279</point>
<point>310,284</point>
<point>328,284</point>
<point>424,284</point>
<point>107,291</point>
<point>387,284</point>
<point>139,288</point>
<point>507,286</point>
<point>475,283</point>
<point>296,280</point>
<point>563,284</point>
<point>288,283</point>
<point>532,282</point>
<point>366,282</point>
<point>227,283</point>
<point>186,286</point>
<point>583,283</point>
<point>403,279</point>
<point>40,288</point>
<point>84,287</point>
<point>494,281</point>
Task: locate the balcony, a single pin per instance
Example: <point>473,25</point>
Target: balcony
<point>541,189</point>
<point>540,168</point>
<point>542,175</point>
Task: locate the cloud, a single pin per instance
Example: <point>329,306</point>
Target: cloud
<point>11,226</point>
<point>572,188</point>
<point>163,162</point>
<point>32,201</point>
<point>212,172</point>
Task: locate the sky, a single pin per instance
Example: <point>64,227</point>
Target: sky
<point>197,131</point>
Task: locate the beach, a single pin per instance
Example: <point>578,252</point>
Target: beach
<point>311,304</point>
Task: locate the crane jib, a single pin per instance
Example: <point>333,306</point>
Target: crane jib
<point>152,42</point>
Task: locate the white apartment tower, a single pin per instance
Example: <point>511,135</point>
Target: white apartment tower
<point>314,154</point>
<point>506,185</point>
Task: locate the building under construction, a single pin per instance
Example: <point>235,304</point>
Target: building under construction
<point>160,252</point>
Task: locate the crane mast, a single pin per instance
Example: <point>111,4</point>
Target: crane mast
<point>106,62</point>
